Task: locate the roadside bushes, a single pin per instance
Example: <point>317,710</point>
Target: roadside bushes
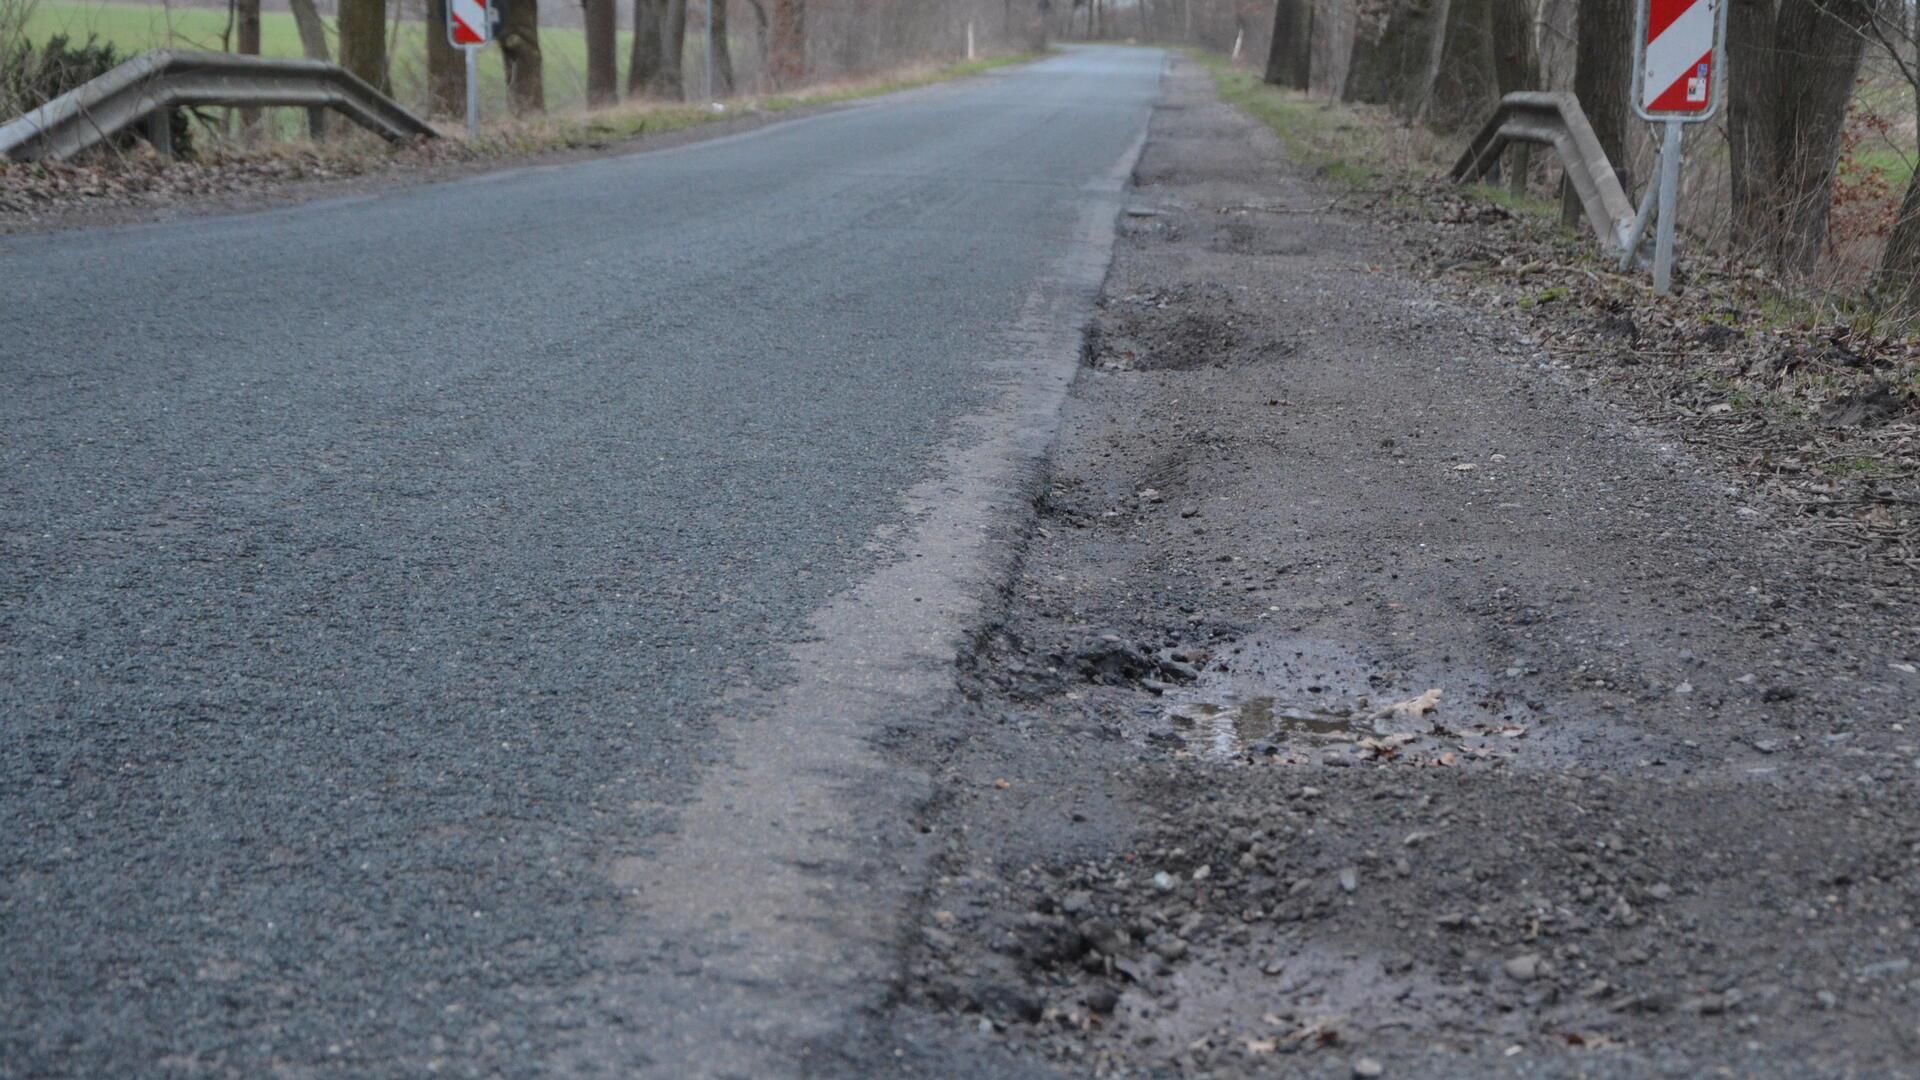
<point>29,77</point>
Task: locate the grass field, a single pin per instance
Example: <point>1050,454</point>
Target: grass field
<point>137,28</point>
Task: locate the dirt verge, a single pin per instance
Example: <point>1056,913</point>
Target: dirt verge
<point>1378,697</point>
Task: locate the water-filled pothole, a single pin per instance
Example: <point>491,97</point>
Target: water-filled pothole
<point>1228,727</point>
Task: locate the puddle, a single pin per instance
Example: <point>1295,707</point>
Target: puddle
<point>1228,728</point>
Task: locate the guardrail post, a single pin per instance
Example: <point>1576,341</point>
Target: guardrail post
<point>160,131</point>
<point>316,122</point>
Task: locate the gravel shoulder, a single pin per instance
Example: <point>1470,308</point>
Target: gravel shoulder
<point>1377,696</point>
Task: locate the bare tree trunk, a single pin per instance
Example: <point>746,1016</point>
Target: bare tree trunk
<point>762,39</point>
<point>1422,65</point>
<point>722,54</point>
<point>1289,50</point>
<point>1557,20</point>
<point>789,42</point>
<point>643,62</point>
<point>1602,68</point>
<point>1897,281</point>
<point>246,27</point>
<point>1303,47</point>
<point>247,43</point>
<point>603,65</point>
<point>672,83</point>
<point>1786,114</point>
<point>1378,42</point>
<point>446,71</point>
<point>363,40</point>
<point>313,32</point>
<point>1516,66</point>
<point>1516,60</point>
<point>520,48</point>
<point>1463,84</point>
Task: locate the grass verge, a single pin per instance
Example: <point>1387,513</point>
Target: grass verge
<point>561,131</point>
<point>1345,145</point>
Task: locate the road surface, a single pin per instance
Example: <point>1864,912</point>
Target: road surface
<point>383,577</point>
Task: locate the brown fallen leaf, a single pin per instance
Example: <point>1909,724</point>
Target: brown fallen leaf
<point>1418,706</point>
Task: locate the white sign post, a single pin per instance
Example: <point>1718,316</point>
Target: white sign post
<point>1679,49</point>
<point>469,28</point>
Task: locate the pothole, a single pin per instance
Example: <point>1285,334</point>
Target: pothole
<point>1227,729</point>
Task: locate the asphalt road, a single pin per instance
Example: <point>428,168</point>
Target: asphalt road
<point>374,569</point>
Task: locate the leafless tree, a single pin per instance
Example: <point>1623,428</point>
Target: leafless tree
<point>363,39</point>
<point>313,32</point>
<point>1516,66</point>
<point>1791,67</point>
<point>246,16</point>
<point>788,61</point>
<point>520,48</point>
<point>1463,88</point>
<point>1602,70</point>
<point>603,77</point>
<point>673,52</point>
<point>1894,28</point>
<point>643,64</point>
<point>446,75</point>
<point>1290,48</point>
<point>722,53</point>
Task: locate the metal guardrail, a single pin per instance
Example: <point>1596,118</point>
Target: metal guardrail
<point>1556,120</point>
<point>148,88</point>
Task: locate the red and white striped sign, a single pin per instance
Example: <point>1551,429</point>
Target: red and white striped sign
<point>1678,58</point>
<point>467,23</point>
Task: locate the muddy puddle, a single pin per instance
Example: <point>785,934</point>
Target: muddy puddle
<point>1227,729</point>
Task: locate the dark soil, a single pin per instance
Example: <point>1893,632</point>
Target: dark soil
<point>1377,693</point>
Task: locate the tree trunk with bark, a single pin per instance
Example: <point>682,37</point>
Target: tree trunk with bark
<point>722,54</point>
<point>520,48</point>
<point>1303,46</point>
<point>1516,66</point>
<point>1370,65</point>
<point>313,32</point>
<point>1792,66</point>
<point>446,69</point>
<point>363,40</point>
<point>1289,54</point>
<point>1897,281</point>
<point>1463,84</point>
<point>672,83</point>
<point>1516,60</point>
<point>246,34</point>
<point>603,65</point>
<point>1426,41</point>
<point>1602,68</point>
<point>643,62</point>
<point>789,61</point>
<point>762,38</point>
